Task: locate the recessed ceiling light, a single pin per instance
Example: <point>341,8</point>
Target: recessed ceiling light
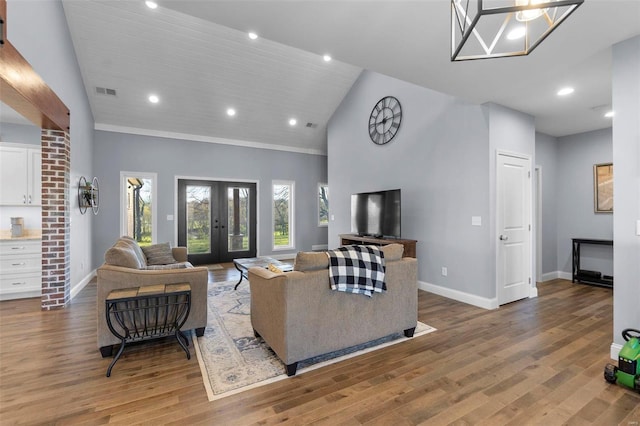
<point>326,58</point>
<point>517,32</point>
<point>253,36</point>
<point>565,91</point>
<point>151,4</point>
<point>154,99</point>
<point>293,122</point>
<point>609,114</point>
<point>231,112</point>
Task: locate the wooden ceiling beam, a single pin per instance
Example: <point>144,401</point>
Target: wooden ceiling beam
<point>24,90</point>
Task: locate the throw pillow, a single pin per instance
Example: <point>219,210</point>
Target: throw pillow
<point>122,255</point>
<point>133,244</point>
<point>273,268</point>
<point>311,261</point>
<point>159,254</point>
<point>392,251</point>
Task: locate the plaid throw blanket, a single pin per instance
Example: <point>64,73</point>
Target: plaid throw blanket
<point>357,269</point>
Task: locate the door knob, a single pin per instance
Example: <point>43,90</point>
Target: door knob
<point>503,238</point>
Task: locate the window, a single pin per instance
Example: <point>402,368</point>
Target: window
<point>138,213</point>
<point>323,204</point>
<point>283,225</point>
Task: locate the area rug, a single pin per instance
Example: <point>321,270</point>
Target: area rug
<point>232,360</point>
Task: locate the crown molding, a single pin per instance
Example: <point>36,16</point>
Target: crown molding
<point>208,139</point>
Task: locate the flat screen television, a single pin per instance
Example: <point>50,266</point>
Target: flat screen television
<point>376,214</point>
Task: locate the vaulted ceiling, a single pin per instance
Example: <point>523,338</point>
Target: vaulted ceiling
<point>197,58</point>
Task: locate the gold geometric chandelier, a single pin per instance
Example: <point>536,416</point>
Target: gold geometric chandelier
<point>482,29</point>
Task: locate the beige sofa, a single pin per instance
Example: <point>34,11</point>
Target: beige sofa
<point>126,266</point>
<point>299,316</point>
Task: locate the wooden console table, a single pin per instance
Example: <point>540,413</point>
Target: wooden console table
<point>148,312</point>
<point>588,277</point>
<point>409,245</point>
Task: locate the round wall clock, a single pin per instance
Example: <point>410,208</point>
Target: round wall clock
<point>384,120</point>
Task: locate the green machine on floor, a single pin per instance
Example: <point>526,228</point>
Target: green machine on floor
<point>627,372</point>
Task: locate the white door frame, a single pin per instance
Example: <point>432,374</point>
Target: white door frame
<point>538,227</point>
<point>533,291</point>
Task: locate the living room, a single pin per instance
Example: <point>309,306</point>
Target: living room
<point>448,196</point>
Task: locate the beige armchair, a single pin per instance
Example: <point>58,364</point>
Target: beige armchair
<point>113,275</point>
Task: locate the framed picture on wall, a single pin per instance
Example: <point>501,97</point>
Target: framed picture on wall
<point>603,187</point>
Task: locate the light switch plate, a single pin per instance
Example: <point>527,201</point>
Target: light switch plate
<point>169,217</point>
<point>476,220</point>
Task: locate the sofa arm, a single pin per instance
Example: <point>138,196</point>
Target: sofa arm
<point>269,308</point>
<point>179,254</point>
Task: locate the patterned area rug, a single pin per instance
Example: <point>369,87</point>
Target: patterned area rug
<point>232,360</point>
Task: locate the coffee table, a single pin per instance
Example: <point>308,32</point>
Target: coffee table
<point>243,265</point>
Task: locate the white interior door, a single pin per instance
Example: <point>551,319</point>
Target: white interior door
<point>514,228</point>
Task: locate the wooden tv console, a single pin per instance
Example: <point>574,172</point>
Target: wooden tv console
<point>409,245</point>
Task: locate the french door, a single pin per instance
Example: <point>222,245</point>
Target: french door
<point>216,220</point>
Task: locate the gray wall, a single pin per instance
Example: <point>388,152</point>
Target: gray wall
<point>626,158</point>
<point>509,131</point>
<point>38,29</point>
<point>20,133</point>
<point>576,217</point>
<point>116,152</point>
<point>547,159</point>
<point>440,161</point>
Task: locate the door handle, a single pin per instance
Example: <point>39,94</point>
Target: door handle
<point>215,227</point>
<point>503,238</point>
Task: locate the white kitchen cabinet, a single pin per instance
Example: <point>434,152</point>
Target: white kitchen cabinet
<point>20,175</point>
<point>20,268</point>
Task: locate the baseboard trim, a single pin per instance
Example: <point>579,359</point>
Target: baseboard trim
<point>460,296</point>
<point>82,284</point>
<point>320,247</point>
<point>615,350</point>
<point>556,275</point>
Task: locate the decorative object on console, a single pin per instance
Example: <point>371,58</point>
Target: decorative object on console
<point>384,120</point>
<point>481,30</point>
<point>88,195</point>
<point>603,188</point>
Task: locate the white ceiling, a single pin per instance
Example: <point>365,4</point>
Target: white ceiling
<point>197,57</point>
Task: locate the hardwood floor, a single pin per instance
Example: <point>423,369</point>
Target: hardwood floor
<point>537,361</point>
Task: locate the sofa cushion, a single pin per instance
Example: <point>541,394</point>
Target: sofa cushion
<point>392,251</point>
<point>179,265</point>
<point>122,254</point>
<point>311,261</point>
<point>158,254</point>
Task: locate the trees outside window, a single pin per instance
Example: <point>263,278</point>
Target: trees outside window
<point>323,204</point>
<point>283,215</point>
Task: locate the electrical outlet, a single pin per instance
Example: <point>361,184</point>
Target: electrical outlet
<point>444,271</point>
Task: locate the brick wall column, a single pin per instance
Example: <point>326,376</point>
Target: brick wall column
<point>56,269</point>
